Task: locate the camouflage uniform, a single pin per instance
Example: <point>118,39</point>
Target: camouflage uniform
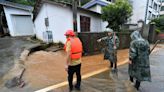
<point>110,52</point>
<point>139,55</point>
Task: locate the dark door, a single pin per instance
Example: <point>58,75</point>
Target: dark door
<point>85,24</point>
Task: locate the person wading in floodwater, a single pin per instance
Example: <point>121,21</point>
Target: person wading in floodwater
<point>139,66</point>
<point>112,43</point>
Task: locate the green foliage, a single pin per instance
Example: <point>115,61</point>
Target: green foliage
<point>117,14</point>
<point>161,15</point>
<point>84,1</point>
<point>159,22</point>
<point>25,2</point>
<point>32,2</point>
<point>157,30</point>
<point>70,1</point>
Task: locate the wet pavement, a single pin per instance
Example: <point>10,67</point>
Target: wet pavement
<point>48,67</point>
<point>10,50</point>
<point>157,72</point>
<point>104,82</point>
<point>110,82</point>
<point>43,70</point>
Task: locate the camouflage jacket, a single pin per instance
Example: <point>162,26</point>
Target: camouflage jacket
<point>110,52</point>
<point>139,55</point>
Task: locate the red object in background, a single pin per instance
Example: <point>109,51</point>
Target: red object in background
<point>161,36</point>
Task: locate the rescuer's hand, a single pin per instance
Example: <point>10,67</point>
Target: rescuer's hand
<point>115,47</point>
<point>99,40</point>
<point>130,62</point>
<point>66,67</point>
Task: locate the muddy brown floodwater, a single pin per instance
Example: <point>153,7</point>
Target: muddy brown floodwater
<point>47,68</point>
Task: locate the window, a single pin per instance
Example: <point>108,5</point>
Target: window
<point>162,0</point>
<point>149,15</point>
<point>153,16</point>
<point>155,6</point>
<point>162,8</point>
<point>151,3</point>
<point>85,24</point>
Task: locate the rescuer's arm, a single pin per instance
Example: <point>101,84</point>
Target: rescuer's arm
<point>103,38</point>
<point>68,53</point>
<point>132,52</point>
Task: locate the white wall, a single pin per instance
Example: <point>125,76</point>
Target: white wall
<point>39,23</point>
<point>162,12</point>
<point>96,8</point>
<point>95,21</point>
<point>9,11</point>
<point>60,20</point>
<point>104,24</point>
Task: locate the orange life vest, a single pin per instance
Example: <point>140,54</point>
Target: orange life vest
<point>76,47</point>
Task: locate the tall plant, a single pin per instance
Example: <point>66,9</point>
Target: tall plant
<point>117,14</point>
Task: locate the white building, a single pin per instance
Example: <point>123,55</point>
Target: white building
<point>162,8</point>
<point>96,6</point>
<point>142,9</point>
<point>153,10</point>
<point>17,18</point>
<point>145,10</point>
<point>59,18</point>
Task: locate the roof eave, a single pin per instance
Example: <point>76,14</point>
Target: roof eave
<point>11,4</point>
<point>92,3</point>
<point>36,11</point>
